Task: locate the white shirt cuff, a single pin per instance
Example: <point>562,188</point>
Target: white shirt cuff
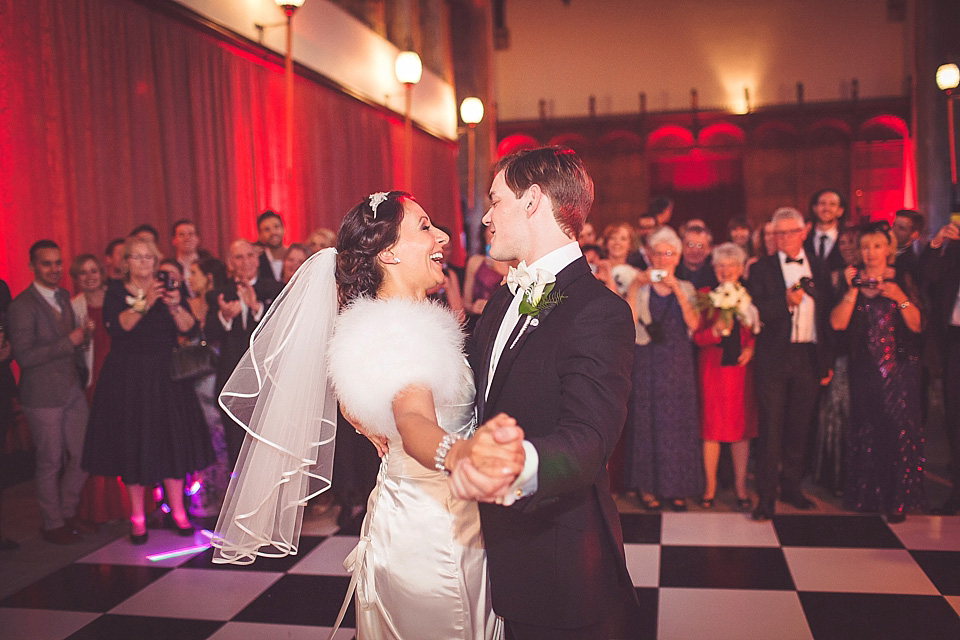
<point>256,316</point>
<point>526,483</point>
<point>227,324</point>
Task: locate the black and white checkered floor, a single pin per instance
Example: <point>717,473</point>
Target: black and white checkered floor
<point>698,575</point>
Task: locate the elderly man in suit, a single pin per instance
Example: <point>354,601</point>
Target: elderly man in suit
<point>44,337</point>
<point>792,359</point>
<point>240,307</point>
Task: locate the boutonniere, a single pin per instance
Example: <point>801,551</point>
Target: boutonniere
<point>538,294</point>
<point>139,302</point>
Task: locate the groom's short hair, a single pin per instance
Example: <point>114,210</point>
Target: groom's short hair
<point>560,174</point>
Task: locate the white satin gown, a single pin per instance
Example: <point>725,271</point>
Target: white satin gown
<point>420,561</point>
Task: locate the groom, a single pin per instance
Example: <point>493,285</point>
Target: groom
<point>553,349</point>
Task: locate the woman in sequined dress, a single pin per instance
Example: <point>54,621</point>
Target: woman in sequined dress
<point>881,318</point>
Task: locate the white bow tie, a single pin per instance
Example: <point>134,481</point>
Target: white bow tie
<point>521,278</point>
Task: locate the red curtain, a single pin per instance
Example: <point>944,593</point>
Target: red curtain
<point>113,114</point>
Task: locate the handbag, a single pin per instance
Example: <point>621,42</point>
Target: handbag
<point>193,361</point>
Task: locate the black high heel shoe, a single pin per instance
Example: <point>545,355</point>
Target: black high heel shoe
<point>678,504</point>
<point>138,538</point>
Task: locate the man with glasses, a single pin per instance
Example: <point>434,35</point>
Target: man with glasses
<point>791,361</point>
<point>695,264</point>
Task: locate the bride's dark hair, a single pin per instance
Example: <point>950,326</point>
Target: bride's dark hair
<point>361,238</point>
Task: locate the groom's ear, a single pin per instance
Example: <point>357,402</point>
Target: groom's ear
<point>532,198</point>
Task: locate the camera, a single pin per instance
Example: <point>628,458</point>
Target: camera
<point>866,283</point>
<point>656,275</point>
<point>167,280</point>
<point>806,284</point>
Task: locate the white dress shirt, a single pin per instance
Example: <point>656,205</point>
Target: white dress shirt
<point>228,324</point>
<point>831,239</point>
<point>804,318</point>
<point>554,262</point>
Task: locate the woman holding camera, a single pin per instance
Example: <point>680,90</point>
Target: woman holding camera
<point>881,316</point>
<point>143,426</point>
<point>662,436</point>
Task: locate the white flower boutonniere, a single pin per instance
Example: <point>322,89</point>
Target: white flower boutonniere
<point>538,294</point>
<point>138,303</point>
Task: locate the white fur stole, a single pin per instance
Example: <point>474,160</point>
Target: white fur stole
<point>380,347</point>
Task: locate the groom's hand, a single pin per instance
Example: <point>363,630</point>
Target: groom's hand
<point>469,483</point>
<point>496,448</point>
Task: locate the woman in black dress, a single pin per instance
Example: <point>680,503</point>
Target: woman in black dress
<point>143,426</point>
<point>881,317</point>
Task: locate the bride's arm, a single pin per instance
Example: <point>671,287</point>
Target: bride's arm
<point>415,416</point>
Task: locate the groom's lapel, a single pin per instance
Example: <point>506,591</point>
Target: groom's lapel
<point>497,307</point>
<point>511,350</point>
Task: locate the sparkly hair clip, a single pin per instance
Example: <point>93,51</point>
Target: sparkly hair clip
<point>376,199</point>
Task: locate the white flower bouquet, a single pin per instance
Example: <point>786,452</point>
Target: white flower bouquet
<point>732,300</point>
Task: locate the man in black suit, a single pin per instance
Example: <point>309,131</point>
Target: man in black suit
<point>791,361</point>
<point>940,266</point>
<point>8,391</point>
<point>827,213</point>
<point>907,225</point>
<point>270,232</point>
<point>646,225</point>
<point>240,307</point>
<point>561,368</point>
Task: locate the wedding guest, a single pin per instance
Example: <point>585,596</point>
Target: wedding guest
<point>186,246</point>
<point>270,232</point>
<point>322,238</point>
<point>695,264</point>
<point>103,498</point>
<point>792,360</point>
<point>8,391</point>
<point>740,233</point>
<point>46,339</point>
<point>482,277</point>
<point>593,253</point>
<point>207,277</point>
<point>148,232</point>
<point>619,242</point>
<point>881,316</point>
<point>646,225</point>
<point>662,437</point>
<point>144,426</point>
<point>940,266</point>
<point>907,226</point>
<point>113,259</point>
<point>588,235</point>
<point>240,306</point>
<point>662,208</point>
<point>827,211</point>
<point>297,254</point>
<point>726,344</point>
<point>833,418</point>
<point>764,244</point>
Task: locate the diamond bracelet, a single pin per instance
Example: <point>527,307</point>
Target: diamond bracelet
<point>440,458</point>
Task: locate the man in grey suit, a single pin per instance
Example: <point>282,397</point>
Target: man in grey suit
<point>44,336</point>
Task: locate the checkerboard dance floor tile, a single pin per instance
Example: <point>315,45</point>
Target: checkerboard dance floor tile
<point>698,575</point>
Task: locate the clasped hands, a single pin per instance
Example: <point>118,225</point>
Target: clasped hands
<point>482,467</point>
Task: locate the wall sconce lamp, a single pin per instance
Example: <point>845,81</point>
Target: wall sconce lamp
<point>471,112</point>
<point>948,78</point>
<point>409,70</point>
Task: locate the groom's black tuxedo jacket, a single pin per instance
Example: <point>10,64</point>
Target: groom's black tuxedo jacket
<point>556,558</point>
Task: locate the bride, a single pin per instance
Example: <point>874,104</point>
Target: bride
<point>396,361</point>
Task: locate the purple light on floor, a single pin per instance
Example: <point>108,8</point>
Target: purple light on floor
<point>207,533</point>
<point>164,508</point>
<point>194,488</point>
<point>177,553</point>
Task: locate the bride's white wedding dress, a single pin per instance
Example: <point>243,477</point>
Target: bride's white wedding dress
<point>420,567</point>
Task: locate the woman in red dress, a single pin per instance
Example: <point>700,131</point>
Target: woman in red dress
<point>726,343</point>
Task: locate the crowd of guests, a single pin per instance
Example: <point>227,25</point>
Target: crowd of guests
<point>811,336</point>
<point>808,339</point>
<point>115,431</point>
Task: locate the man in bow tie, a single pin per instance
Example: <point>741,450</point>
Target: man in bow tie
<point>553,349</point>
<point>791,359</point>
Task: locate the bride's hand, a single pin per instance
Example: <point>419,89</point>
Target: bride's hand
<point>380,442</point>
<point>468,483</point>
<point>496,448</point>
